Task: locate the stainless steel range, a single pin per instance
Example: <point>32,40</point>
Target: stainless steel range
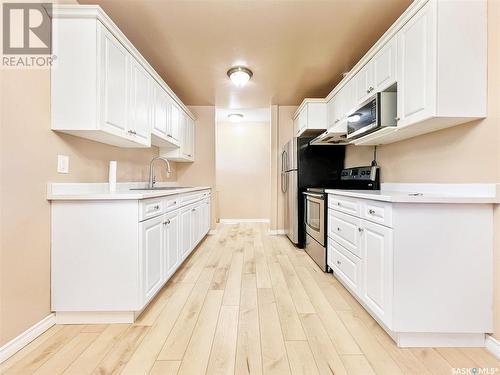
<point>315,215</point>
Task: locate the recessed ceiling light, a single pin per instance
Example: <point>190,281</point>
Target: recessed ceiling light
<point>239,75</point>
<point>235,117</point>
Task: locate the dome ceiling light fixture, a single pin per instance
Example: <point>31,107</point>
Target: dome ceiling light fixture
<point>239,75</point>
<point>235,117</point>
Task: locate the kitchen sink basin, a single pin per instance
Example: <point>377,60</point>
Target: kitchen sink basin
<point>163,188</point>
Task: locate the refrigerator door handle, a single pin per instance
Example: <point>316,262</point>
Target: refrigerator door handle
<point>283,173</point>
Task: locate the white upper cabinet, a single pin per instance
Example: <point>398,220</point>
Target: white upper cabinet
<point>417,96</point>
<point>164,129</point>
<point>110,93</point>
<point>383,67</point>
<point>114,85</point>
<point>140,104</point>
<point>310,118</point>
<point>363,86</point>
<point>186,134</point>
<point>435,57</point>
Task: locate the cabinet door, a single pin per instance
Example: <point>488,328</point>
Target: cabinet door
<point>377,269</point>
<point>191,143</point>
<point>195,225</point>
<point>172,249</point>
<point>363,87</point>
<point>140,116</point>
<point>208,216</point>
<point>160,124</point>
<point>185,232</point>
<point>417,67</point>
<point>384,66</point>
<point>152,251</point>
<point>174,121</point>
<point>330,112</point>
<point>303,118</point>
<point>114,84</point>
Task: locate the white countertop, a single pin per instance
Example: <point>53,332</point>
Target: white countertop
<point>427,193</point>
<point>100,191</point>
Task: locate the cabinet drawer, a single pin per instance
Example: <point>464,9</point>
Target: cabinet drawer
<point>344,204</point>
<point>377,212</point>
<point>149,208</point>
<point>170,204</point>
<point>346,266</point>
<point>191,197</point>
<point>345,230</point>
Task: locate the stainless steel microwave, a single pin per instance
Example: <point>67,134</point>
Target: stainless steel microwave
<point>375,113</point>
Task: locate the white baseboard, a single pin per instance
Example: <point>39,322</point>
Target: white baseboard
<point>19,342</point>
<point>276,232</point>
<point>493,345</point>
<point>237,221</point>
<point>439,340</point>
<point>94,317</point>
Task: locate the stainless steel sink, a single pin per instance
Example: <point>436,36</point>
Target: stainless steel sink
<point>163,188</point>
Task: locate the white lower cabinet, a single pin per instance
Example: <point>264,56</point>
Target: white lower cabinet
<point>110,258</point>
<point>376,292</point>
<point>185,230</point>
<point>152,249</point>
<point>413,266</point>
<point>172,251</point>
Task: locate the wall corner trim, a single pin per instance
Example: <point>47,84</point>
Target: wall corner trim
<point>493,345</point>
<point>19,342</point>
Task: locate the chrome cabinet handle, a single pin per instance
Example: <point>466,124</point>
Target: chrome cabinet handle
<point>338,229</point>
<point>338,204</point>
<point>368,91</point>
<point>397,119</point>
<point>339,262</point>
<point>371,89</point>
<point>371,212</point>
<point>360,230</point>
<point>156,207</point>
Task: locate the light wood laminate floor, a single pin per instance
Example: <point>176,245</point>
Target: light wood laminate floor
<point>244,302</point>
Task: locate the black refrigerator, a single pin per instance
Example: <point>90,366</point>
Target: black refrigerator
<point>304,166</point>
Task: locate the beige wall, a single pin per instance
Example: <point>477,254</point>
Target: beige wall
<point>202,171</point>
<point>29,157</point>
<point>243,170</point>
<point>468,153</point>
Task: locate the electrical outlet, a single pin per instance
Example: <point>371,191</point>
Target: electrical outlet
<point>62,163</point>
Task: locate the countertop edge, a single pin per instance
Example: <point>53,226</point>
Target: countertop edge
<point>90,196</point>
<point>399,197</point>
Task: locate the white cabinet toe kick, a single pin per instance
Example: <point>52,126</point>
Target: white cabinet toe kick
<point>111,257</point>
<point>422,270</point>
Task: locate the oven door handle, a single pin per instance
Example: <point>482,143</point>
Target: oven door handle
<point>319,196</point>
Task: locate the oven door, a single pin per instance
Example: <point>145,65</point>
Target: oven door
<point>365,119</point>
<point>314,217</point>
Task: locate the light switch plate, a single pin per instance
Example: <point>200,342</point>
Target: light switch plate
<point>62,163</point>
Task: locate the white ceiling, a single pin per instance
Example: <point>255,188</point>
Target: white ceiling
<point>296,49</point>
